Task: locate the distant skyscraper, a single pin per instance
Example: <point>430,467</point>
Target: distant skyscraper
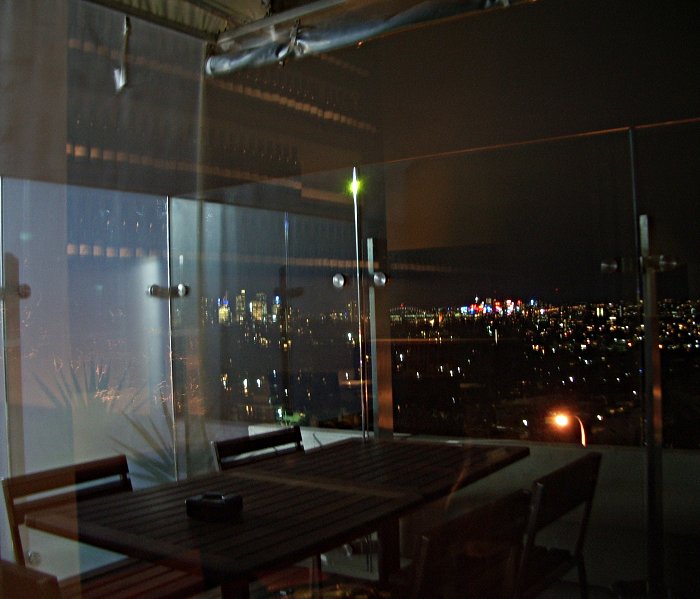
<point>259,307</point>
<point>240,307</point>
<point>276,308</point>
<point>224,312</point>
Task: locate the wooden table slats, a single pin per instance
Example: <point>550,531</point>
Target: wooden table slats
<point>294,506</point>
<point>428,468</point>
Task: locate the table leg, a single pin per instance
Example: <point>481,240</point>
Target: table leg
<point>389,550</point>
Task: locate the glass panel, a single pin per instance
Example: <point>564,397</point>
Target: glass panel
<point>668,170</point>
<point>513,296</point>
<point>501,315</point>
<point>88,374</point>
<point>265,336</point>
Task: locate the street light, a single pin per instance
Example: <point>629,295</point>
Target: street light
<point>563,420</point>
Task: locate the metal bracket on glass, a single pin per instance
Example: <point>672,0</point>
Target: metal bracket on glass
<point>659,263</point>
<point>376,253</point>
<point>22,291</point>
<point>180,290</point>
<point>338,280</point>
<point>615,265</point>
<point>379,279</point>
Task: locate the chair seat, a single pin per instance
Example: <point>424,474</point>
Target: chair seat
<point>132,579</point>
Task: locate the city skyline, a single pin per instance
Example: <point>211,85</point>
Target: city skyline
<point>479,372</point>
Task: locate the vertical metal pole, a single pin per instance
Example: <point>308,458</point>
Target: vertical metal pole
<point>172,425</point>
<point>380,347</point>
<point>360,313</point>
<point>13,363</point>
<point>653,419</point>
<point>4,417</point>
<point>653,416</point>
<point>287,399</point>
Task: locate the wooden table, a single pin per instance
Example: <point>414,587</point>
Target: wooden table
<point>294,506</point>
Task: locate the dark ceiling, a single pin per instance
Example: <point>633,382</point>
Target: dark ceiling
<point>252,33</point>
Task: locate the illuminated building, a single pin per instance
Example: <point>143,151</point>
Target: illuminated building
<point>240,307</point>
<point>258,307</point>
<point>224,312</point>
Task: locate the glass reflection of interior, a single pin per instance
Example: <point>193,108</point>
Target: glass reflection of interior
<point>185,258</point>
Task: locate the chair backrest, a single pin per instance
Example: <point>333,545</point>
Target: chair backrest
<point>28,493</point>
<point>19,582</point>
<point>473,555</point>
<point>485,553</point>
<point>555,495</point>
<point>558,493</point>
<point>230,453</point>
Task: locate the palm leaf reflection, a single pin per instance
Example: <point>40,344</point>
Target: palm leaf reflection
<point>99,404</point>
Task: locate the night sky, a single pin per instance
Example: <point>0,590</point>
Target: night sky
<point>535,221</point>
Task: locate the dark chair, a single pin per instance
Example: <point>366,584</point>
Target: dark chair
<point>18,582</point>
<point>231,453</point>
<point>472,556</point>
<point>29,493</point>
<point>554,496</point>
<point>490,552</point>
<point>475,555</point>
<point>236,452</point>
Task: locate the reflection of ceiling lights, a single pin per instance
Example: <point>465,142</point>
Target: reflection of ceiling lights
<point>285,36</point>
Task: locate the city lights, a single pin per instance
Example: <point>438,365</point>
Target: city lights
<point>448,362</point>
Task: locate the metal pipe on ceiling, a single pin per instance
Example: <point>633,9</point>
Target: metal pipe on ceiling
<point>298,40</point>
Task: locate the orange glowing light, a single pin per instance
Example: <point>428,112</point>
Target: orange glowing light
<point>561,420</point>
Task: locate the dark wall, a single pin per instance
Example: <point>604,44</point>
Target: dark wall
<point>32,89</point>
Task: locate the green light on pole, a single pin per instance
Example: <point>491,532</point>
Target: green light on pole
<point>354,185</point>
